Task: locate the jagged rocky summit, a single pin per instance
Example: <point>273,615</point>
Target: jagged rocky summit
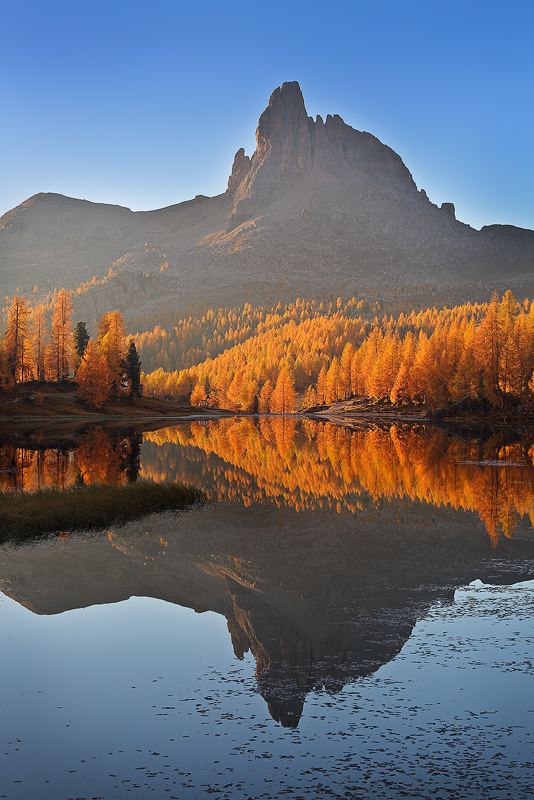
<point>290,145</point>
<point>318,204</point>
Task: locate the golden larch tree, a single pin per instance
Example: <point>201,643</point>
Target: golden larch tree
<point>17,339</point>
<point>198,394</point>
<point>38,341</point>
<point>6,378</point>
<point>94,377</point>
<point>283,396</point>
<point>264,403</point>
<point>111,341</point>
<point>61,342</point>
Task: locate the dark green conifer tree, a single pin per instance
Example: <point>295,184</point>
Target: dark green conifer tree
<point>133,371</point>
<point>81,340</point>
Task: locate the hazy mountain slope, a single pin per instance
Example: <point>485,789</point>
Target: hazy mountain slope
<point>51,238</point>
<point>317,202</point>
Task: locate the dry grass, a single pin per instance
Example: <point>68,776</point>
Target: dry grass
<point>27,515</point>
<point>46,400</point>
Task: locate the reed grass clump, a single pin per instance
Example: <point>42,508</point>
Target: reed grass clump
<point>26,515</point>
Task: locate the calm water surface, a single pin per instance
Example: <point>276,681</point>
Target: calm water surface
<point>352,619</point>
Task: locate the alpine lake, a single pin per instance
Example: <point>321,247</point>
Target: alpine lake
<point>349,618</point>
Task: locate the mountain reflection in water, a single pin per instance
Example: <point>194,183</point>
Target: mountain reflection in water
<point>326,547</point>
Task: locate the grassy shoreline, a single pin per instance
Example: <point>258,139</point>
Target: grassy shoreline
<point>31,515</point>
<point>45,401</point>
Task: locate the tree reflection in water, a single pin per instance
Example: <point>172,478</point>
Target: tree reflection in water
<point>304,465</point>
<point>318,464</point>
<point>97,456</point>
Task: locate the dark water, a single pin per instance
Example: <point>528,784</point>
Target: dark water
<point>352,619</point>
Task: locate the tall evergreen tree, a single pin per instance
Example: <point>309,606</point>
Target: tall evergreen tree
<point>81,340</point>
<point>133,371</point>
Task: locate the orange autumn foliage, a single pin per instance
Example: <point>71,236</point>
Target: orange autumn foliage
<point>472,350</point>
<point>99,456</point>
<point>311,465</point>
<point>39,345</point>
<point>305,465</point>
<point>94,377</point>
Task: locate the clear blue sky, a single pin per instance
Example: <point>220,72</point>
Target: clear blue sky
<point>144,104</point>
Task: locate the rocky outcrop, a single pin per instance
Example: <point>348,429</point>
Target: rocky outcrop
<point>290,144</point>
<point>240,170</point>
<point>283,153</point>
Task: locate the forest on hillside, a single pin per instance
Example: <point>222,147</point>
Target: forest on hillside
<point>473,350</point>
<point>271,359</point>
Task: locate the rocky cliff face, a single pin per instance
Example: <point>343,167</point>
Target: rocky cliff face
<point>290,144</point>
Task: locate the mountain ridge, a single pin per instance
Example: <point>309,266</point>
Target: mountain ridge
<point>317,203</point>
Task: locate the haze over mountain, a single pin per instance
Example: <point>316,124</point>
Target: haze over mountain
<point>317,204</point>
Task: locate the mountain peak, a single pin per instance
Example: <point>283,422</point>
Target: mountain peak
<point>288,92</point>
<point>289,144</point>
<point>284,133</point>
